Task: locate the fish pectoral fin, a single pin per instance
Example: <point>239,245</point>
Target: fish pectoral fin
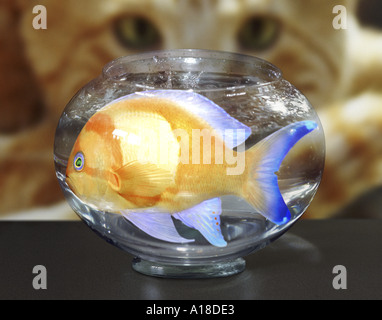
<point>137,178</point>
<point>205,217</point>
<point>156,224</point>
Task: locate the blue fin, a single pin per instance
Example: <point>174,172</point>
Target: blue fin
<point>156,224</point>
<point>233,131</point>
<point>262,190</point>
<point>205,217</point>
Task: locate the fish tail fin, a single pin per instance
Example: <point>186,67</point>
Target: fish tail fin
<point>261,189</point>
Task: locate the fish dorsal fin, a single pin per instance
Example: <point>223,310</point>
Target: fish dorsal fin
<point>233,132</point>
<point>137,178</point>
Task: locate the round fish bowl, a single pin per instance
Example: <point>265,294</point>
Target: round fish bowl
<point>189,159</point>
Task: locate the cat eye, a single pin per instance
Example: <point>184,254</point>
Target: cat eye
<point>258,33</point>
<point>137,33</point>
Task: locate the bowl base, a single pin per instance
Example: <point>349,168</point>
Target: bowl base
<point>215,270</point>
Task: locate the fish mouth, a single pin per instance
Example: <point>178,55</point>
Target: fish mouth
<point>74,186</point>
<point>69,182</point>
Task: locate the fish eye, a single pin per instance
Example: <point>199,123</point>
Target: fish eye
<point>136,33</point>
<point>79,161</point>
<point>258,33</point>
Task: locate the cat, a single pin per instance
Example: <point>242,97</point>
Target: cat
<point>340,71</point>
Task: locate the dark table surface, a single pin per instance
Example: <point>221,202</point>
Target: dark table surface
<point>299,265</point>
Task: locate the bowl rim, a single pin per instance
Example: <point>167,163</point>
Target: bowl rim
<point>270,74</point>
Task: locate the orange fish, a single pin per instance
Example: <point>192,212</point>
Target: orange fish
<point>141,156</point>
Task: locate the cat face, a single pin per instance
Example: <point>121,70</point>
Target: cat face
<point>82,36</point>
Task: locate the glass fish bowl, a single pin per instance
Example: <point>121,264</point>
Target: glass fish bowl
<point>189,160</point>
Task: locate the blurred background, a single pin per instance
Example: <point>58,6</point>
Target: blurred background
<point>339,70</point>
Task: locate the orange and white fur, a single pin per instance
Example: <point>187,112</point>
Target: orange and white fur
<point>340,71</point>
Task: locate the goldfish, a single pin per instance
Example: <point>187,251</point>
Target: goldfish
<point>140,156</point>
